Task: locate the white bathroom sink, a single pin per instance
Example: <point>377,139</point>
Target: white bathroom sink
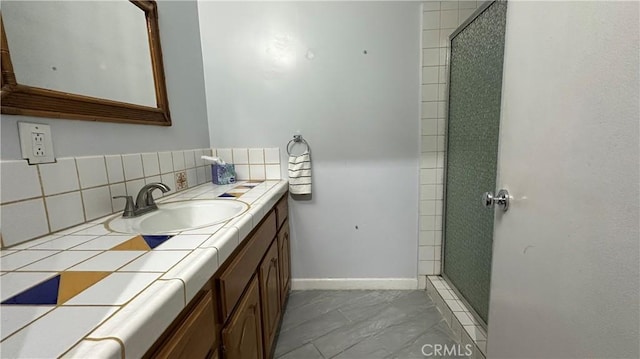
<point>171,217</point>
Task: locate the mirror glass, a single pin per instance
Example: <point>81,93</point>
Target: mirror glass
<point>91,48</point>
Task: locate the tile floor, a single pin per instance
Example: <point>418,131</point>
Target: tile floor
<point>358,324</point>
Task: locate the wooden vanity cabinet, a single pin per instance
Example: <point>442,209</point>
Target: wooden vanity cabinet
<point>270,296</point>
<point>242,335</point>
<point>193,337</point>
<point>234,279</point>
<point>284,260</point>
<point>239,315</point>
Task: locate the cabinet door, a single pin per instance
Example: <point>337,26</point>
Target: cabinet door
<point>235,278</point>
<point>242,336</point>
<point>285,261</point>
<point>195,337</point>
<point>282,210</point>
<point>270,296</point>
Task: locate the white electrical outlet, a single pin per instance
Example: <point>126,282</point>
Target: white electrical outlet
<point>36,142</point>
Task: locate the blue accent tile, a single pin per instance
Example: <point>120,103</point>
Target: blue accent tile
<point>154,241</point>
<point>226,195</point>
<point>43,293</point>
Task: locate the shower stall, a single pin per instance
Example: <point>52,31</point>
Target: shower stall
<point>475,87</point>
<point>543,101</point>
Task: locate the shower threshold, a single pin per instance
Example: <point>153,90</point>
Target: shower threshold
<point>459,318</point>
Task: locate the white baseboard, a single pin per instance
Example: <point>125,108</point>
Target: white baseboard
<point>354,283</point>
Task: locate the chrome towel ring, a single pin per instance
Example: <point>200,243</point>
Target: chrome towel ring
<point>297,139</point>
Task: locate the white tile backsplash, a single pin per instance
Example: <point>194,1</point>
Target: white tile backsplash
<point>19,181</point>
<point>225,154</point>
<point>150,164</point>
<point>59,177</point>
<point>80,189</point>
<point>189,159</point>
<point>192,179</point>
<point>257,172</point>
<point>22,221</point>
<point>115,172</point>
<point>97,202</point>
<point>256,156</point>
<point>199,154</point>
<point>166,162</point>
<point>242,172</point>
<point>65,210</point>
<point>169,180</point>
<point>272,172</point>
<point>118,189</point>
<point>132,166</point>
<point>272,155</point>
<point>92,171</point>
<point>152,179</point>
<point>240,156</point>
<point>133,187</point>
<point>201,175</point>
<point>178,160</point>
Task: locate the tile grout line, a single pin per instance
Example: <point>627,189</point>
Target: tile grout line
<point>44,201</point>
<point>84,209</point>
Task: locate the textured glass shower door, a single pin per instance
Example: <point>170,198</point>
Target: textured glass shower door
<point>475,84</point>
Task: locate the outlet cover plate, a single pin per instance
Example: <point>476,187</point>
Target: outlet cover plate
<point>32,150</point>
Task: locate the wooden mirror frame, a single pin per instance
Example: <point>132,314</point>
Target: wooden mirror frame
<point>17,99</point>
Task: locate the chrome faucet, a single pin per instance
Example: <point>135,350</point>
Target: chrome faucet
<point>144,200</point>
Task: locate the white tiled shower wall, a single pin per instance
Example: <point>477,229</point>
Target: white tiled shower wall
<point>439,20</point>
<point>41,199</point>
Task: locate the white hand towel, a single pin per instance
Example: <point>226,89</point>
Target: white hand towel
<point>300,174</point>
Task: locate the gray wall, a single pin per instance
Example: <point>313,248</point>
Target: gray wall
<point>272,69</point>
<point>180,39</point>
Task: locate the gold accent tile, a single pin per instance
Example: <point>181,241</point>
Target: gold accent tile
<point>136,243</point>
<point>72,283</point>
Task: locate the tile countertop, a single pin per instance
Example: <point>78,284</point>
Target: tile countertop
<point>89,292</point>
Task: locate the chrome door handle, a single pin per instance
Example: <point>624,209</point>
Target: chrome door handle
<point>501,199</point>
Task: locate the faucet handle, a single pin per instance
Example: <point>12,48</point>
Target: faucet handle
<point>129,207</point>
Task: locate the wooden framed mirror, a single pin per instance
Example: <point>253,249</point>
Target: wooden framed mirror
<point>26,99</point>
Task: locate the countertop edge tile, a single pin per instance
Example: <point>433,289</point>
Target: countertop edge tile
<point>146,317</point>
<point>108,348</point>
<point>195,270</point>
